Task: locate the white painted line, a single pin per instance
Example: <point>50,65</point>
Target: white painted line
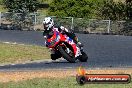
<point>13,64</point>
<point>6,42</point>
<point>14,43</point>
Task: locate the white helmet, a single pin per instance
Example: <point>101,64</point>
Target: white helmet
<point>48,23</point>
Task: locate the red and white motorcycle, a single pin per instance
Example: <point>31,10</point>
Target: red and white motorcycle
<point>64,47</point>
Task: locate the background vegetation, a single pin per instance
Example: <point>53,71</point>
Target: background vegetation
<point>100,9</point>
<point>115,10</point>
<point>75,8</point>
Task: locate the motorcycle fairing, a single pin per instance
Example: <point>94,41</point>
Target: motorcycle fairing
<point>77,51</point>
<point>58,37</point>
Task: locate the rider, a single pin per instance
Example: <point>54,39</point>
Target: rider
<point>48,24</point>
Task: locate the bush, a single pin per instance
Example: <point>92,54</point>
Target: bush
<point>21,6</point>
<point>115,10</point>
<point>74,8</point>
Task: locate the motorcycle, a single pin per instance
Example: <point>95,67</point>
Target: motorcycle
<point>64,47</point>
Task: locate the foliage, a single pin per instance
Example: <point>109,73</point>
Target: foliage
<point>2,8</point>
<point>123,28</point>
<point>21,6</point>
<point>129,10</point>
<point>74,8</point>
<point>1,2</point>
<point>100,9</point>
<point>45,1</point>
<point>115,10</point>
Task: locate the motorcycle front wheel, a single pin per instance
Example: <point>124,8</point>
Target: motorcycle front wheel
<point>83,57</point>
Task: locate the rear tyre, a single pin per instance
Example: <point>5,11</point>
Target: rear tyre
<point>83,57</point>
<point>65,55</point>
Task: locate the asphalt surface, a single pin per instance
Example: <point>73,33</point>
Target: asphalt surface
<point>104,51</point>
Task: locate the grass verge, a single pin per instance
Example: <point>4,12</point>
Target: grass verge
<point>14,53</point>
<point>55,79</point>
<point>69,82</point>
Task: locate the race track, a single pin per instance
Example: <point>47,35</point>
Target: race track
<point>103,51</point>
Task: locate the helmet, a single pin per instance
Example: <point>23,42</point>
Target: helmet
<point>48,23</point>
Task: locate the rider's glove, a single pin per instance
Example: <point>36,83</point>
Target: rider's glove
<point>64,29</point>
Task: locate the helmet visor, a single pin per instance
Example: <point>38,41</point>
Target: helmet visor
<point>46,25</point>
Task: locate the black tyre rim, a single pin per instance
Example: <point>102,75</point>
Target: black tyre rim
<point>69,52</point>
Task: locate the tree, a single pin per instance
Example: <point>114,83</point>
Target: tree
<point>21,6</point>
<point>108,10</point>
<point>129,9</point>
<point>20,10</point>
<point>74,8</point>
<point>115,10</point>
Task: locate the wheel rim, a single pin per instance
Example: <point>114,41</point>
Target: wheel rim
<point>70,52</point>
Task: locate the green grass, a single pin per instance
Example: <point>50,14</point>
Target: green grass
<point>69,82</point>
<point>10,53</point>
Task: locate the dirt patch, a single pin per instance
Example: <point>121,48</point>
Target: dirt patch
<point>19,76</point>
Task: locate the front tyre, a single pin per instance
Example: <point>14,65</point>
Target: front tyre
<point>83,57</point>
<point>66,55</point>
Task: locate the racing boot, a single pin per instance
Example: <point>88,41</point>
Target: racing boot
<point>54,55</point>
